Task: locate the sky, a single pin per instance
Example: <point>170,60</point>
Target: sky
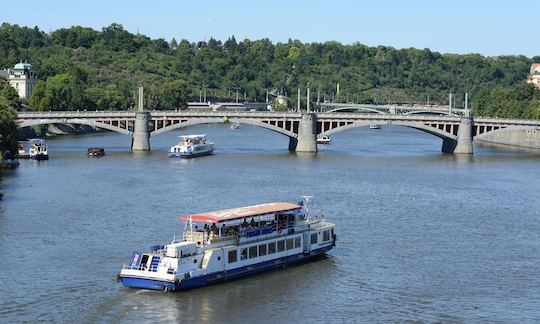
<point>475,26</point>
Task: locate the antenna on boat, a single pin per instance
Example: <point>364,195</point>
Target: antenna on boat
<point>191,226</point>
<point>307,200</point>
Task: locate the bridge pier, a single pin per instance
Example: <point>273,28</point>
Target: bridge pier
<point>141,135</point>
<point>464,142</point>
<point>307,135</point>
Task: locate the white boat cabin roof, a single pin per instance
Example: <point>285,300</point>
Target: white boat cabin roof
<point>240,212</point>
<point>36,141</point>
<point>192,136</point>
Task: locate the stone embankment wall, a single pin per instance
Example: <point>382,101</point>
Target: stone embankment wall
<point>526,138</point>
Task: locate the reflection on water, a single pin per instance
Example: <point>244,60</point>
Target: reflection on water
<point>421,235</point>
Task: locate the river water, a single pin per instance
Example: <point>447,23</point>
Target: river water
<point>422,236</point>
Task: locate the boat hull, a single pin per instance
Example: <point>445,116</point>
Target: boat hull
<point>190,283</point>
<point>189,155</point>
<point>39,157</point>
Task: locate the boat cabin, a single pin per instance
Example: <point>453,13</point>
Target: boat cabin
<point>243,223</point>
<point>96,151</point>
<point>192,139</point>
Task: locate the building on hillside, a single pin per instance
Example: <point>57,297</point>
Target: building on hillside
<point>534,75</point>
<point>22,78</point>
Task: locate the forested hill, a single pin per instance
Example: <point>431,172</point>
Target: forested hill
<point>88,69</point>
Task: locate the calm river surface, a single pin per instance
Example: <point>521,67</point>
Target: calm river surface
<point>421,235</point>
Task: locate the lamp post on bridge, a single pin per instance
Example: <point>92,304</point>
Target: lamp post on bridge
<point>307,99</point>
<point>236,88</point>
<point>204,87</point>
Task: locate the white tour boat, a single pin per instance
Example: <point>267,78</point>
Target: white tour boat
<point>38,149</point>
<point>227,244</point>
<point>323,139</point>
<point>235,125</point>
<point>191,146</point>
<point>374,126</point>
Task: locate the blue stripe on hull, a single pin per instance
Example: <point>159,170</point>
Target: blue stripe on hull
<point>39,157</point>
<point>186,156</point>
<point>220,276</point>
<point>147,283</point>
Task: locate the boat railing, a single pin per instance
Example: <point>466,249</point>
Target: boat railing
<point>280,228</point>
<point>218,239</point>
<point>194,236</point>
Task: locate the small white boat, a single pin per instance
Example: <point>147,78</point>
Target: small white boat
<point>375,126</point>
<point>323,140</point>
<point>235,125</point>
<point>228,244</point>
<point>191,146</point>
<point>22,153</point>
<point>38,149</point>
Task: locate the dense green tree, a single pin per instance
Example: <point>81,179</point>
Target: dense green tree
<point>59,92</point>
<point>116,38</point>
<point>8,127</point>
<point>109,98</point>
<point>9,51</point>
<point>9,102</point>
<point>174,94</point>
<point>519,101</point>
<point>9,94</point>
<point>111,62</point>
<point>75,37</point>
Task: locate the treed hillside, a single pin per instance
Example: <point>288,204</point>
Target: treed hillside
<point>82,68</point>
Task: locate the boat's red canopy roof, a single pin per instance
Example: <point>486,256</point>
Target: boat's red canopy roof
<point>240,212</point>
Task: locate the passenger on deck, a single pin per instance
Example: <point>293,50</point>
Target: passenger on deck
<point>213,228</point>
<point>244,223</point>
<point>231,231</point>
<point>252,223</point>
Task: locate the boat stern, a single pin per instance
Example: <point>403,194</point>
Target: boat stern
<point>139,279</point>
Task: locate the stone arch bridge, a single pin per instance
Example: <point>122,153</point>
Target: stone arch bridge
<point>302,129</point>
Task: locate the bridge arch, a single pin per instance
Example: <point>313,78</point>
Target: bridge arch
<point>431,113</point>
<point>78,121</point>
<point>416,125</point>
<point>340,109</point>
<point>220,120</point>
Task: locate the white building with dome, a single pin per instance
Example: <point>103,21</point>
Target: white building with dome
<point>22,78</point>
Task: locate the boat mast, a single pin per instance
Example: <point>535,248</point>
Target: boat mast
<point>191,226</point>
<point>307,200</point>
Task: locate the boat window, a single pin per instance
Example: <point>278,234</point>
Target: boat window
<point>290,244</point>
<point>271,247</point>
<point>297,242</point>
<point>253,251</point>
<point>233,256</point>
<point>243,254</point>
<point>326,236</point>
<point>314,238</point>
<point>281,246</point>
<point>262,249</point>
<point>144,260</point>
